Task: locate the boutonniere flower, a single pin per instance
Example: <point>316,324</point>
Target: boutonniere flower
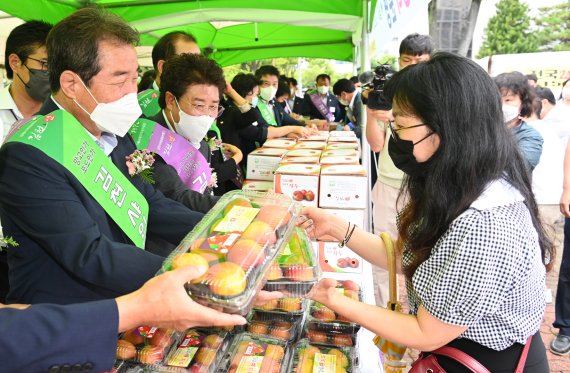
<point>7,241</point>
<point>214,143</point>
<point>140,163</point>
<point>213,183</point>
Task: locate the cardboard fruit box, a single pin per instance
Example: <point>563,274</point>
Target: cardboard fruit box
<point>343,186</point>
<point>299,181</point>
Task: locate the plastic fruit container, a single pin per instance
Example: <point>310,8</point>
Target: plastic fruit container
<point>331,334</point>
<point>277,325</point>
<point>199,351</point>
<point>235,242</point>
<point>296,270</point>
<point>285,305</point>
<point>307,357</point>
<point>147,345</point>
<point>256,354</point>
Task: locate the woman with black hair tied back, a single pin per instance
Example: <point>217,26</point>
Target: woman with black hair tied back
<point>471,244</point>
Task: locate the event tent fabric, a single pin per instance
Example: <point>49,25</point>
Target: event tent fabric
<point>235,31</point>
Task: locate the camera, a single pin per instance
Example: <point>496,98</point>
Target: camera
<point>376,80</point>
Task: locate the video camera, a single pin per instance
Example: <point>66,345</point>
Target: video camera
<point>376,80</point>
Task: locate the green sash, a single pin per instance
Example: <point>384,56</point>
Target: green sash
<point>214,127</point>
<point>148,101</point>
<point>266,113</point>
<point>63,138</point>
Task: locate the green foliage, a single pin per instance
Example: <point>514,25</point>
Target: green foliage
<point>554,27</point>
<point>508,31</point>
<point>7,241</point>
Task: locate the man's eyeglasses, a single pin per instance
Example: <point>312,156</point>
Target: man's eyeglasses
<point>43,63</point>
<point>208,110</point>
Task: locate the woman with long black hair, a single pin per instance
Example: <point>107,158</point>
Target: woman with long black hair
<point>471,244</point>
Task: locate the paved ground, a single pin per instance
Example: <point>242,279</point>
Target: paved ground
<point>558,364</point>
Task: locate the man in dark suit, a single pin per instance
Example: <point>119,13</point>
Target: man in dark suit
<point>70,249</point>
<point>319,103</point>
<point>350,98</point>
<point>295,102</point>
<point>83,337</point>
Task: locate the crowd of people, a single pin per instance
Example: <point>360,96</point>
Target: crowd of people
<point>464,186</point>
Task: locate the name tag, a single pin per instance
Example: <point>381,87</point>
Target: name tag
<point>254,123</point>
<point>332,109</point>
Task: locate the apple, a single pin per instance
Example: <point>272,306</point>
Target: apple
<point>125,350</point>
<point>246,253</point>
<point>298,195</point>
<point>310,195</point>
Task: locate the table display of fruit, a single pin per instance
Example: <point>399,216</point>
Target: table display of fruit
<point>277,325</point>
<point>256,354</point>
<point>309,358</point>
<point>236,242</point>
<point>296,270</point>
<point>147,345</point>
<point>286,305</point>
<point>199,351</point>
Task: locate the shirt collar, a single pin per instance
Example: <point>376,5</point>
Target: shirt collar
<point>155,86</point>
<point>497,193</point>
<point>8,103</point>
<point>107,142</point>
<point>351,104</point>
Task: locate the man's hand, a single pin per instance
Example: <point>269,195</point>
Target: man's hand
<point>233,151</point>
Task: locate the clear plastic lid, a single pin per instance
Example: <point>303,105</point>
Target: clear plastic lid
<point>286,305</point>
<point>307,357</point>
<point>147,345</point>
<point>296,270</point>
<point>250,353</point>
<point>199,351</point>
<point>236,242</point>
<point>277,325</point>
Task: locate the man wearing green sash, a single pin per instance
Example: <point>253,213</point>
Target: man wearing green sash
<point>66,195</point>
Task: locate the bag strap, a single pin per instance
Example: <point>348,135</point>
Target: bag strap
<point>524,354</point>
<point>473,364</point>
<point>462,357</point>
<point>393,303</point>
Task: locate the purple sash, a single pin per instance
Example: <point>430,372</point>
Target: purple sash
<point>321,107</point>
<point>176,151</point>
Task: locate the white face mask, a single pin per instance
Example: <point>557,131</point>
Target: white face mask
<point>566,93</point>
<point>115,117</point>
<point>323,89</point>
<point>268,93</point>
<point>193,128</point>
<point>254,101</point>
<point>509,113</point>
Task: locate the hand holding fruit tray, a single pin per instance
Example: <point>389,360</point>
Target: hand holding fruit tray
<point>308,358</point>
<point>296,270</point>
<point>324,326</point>
<point>235,243</point>
<point>256,354</point>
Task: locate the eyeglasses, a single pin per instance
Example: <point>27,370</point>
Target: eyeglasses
<point>44,63</point>
<point>396,130</point>
<point>208,110</point>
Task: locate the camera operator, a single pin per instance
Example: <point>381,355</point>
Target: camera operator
<point>414,48</point>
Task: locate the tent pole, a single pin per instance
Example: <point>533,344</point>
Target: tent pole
<point>365,66</point>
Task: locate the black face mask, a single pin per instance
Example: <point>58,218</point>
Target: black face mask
<point>402,154</point>
<point>38,86</point>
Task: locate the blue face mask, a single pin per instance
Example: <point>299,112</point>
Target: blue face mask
<point>254,101</point>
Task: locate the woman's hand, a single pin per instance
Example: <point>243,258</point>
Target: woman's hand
<point>323,291</point>
<point>316,221</point>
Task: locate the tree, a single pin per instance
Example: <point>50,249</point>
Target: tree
<point>508,31</point>
<point>554,27</point>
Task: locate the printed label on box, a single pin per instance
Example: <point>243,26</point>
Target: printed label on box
<point>261,167</point>
<point>324,363</point>
<point>343,191</point>
<point>304,189</point>
<point>338,259</point>
<point>258,185</point>
<point>237,219</point>
<point>250,364</point>
<point>182,357</point>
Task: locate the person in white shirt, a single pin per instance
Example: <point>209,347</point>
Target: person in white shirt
<point>26,65</point>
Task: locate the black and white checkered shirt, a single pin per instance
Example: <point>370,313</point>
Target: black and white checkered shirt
<point>485,272</point>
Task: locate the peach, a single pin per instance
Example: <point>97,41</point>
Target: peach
<point>274,352</point>
<point>317,337</point>
<point>311,351</point>
<point>353,263</point>
<point>134,336</point>
<point>269,365</point>
<point>151,354</point>
<point>257,328</point>
<point>274,272</point>
<point>225,279</point>
<point>324,314</point>
<point>213,341</point>
<point>300,272</point>
<point>274,215</point>
<point>205,356</point>
<point>342,263</point>
<point>280,330</point>
<point>290,304</point>
<point>199,368</point>
<point>246,253</point>
<point>351,294</point>
<point>271,305</point>
<point>190,259</point>
<point>161,338</point>
<point>342,340</point>
<point>125,350</point>
<point>350,285</point>
<point>212,257</point>
<point>239,201</point>
<point>341,358</point>
<point>261,232</point>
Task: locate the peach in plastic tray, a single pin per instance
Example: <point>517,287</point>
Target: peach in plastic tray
<point>147,345</point>
<point>330,333</point>
<point>307,357</point>
<point>296,270</point>
<point>199,351</point>
<point>235,243</point>
<point>277,325</point>
<point>285,305</point>
<point>256,354</point>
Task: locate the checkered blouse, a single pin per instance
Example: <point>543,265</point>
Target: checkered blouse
<point>485,272</point>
